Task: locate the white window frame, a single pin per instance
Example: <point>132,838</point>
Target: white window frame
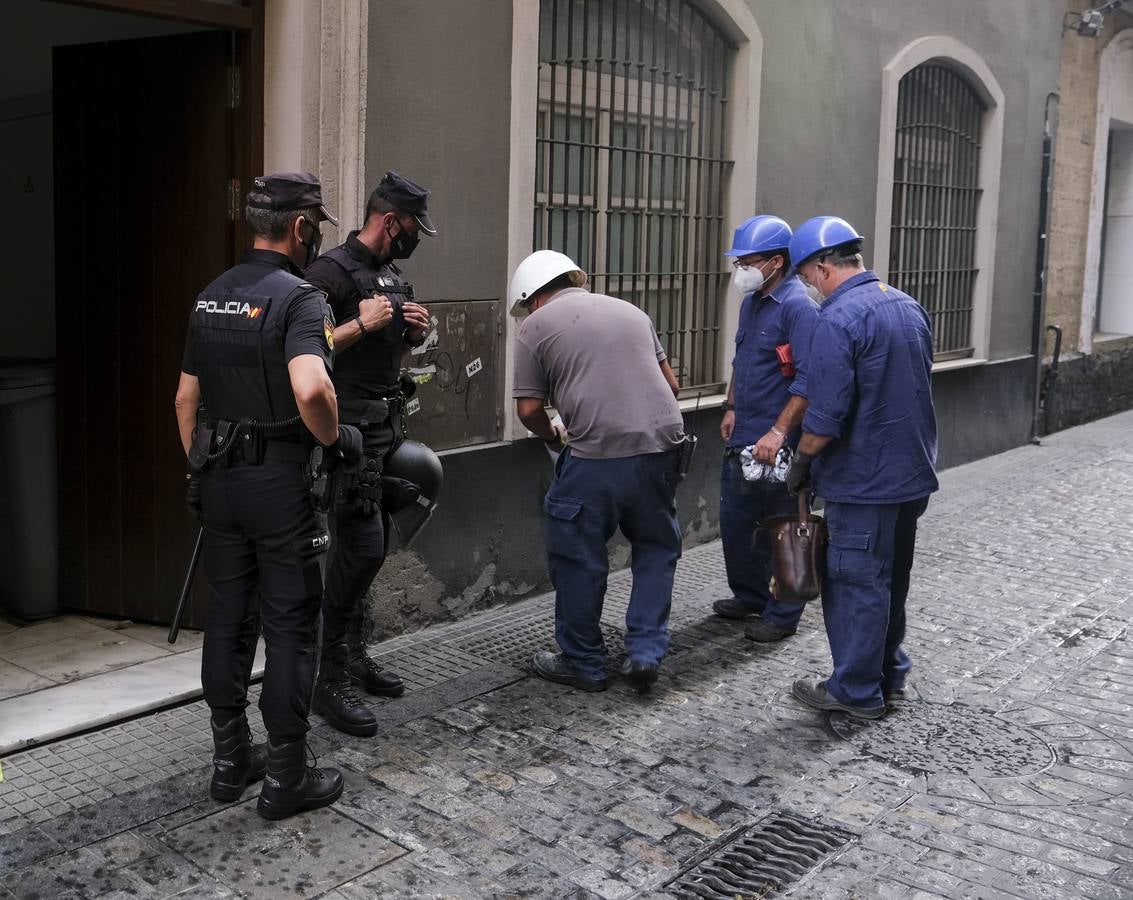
<point>1114,103</point>
<point>966,62</point>
<point>736,21</point>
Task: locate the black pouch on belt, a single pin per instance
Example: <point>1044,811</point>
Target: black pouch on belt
<point>200,448</point>
<point>319,482</point>
<point>363,412</point>
<point>367,488</point>
<point>223,438</point>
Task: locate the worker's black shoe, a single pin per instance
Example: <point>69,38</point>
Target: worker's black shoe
<point>642,675</point>
<point>556,667</point>
<point>767,632</point>
<point>817,697</point>
<point>732,608</point>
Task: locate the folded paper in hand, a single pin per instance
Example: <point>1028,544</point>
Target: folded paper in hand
<point>757,471</point>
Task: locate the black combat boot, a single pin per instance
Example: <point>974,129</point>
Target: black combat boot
<point>291,786</point>
<point>235,762</point>
<point>334,698</point>
<point>367,674</point>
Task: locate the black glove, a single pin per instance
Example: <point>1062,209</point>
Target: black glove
<point>348,447</point>
<point>798,475</point>
<point>193,493</point>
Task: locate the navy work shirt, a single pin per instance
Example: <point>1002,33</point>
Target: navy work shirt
<point>870,389</point>
<point>760,390</point>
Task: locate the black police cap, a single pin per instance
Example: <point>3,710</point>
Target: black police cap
<point>290,190</point>
<point>407,196</point>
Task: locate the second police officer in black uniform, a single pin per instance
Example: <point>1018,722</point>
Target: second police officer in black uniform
<point>258,355</point>
<point>377,322</point>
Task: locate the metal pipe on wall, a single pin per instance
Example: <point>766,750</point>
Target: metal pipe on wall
<point>1042,257</point>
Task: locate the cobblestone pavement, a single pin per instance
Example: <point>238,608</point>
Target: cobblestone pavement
<point>1006,773</point>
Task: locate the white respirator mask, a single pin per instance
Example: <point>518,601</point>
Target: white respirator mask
<point>747,278</point>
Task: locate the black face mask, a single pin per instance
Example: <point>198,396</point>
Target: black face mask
<point>312,246</point>
<point>403,245</point>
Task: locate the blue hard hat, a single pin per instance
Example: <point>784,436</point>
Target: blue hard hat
<point>760,234</point>
<point>819,234</point>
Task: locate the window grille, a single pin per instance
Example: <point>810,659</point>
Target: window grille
<point>936,198</point>
<point>631,171</point>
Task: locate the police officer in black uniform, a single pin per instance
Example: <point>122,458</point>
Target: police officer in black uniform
<point>378,321</point>
<point>258,356</point>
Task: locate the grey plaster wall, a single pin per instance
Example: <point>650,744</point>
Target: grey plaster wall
<point>438,112</point>
<point>439,102</point>
<point>983,410</point>
<point>821,108</point>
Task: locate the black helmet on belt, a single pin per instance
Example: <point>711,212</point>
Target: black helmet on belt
<point>411,484</point>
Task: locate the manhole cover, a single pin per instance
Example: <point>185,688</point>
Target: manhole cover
<point>931,737</point>
<point>760,860</point>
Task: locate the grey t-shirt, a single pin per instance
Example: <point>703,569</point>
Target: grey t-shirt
<point>597,359</point>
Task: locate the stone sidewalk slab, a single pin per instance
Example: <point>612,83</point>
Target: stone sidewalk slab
<point>34,718</point>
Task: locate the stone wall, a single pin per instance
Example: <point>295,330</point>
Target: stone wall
<point>1088,386</point>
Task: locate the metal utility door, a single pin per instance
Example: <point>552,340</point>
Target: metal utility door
<point>145,141</point>
<point>458,371</point>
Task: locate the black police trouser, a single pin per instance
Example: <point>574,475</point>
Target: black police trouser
<point>260,564</point>
<point>358,547</point>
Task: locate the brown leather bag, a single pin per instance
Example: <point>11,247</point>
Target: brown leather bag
<point>798,553</point>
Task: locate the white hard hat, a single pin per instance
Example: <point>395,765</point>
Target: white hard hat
<point>537,270</point>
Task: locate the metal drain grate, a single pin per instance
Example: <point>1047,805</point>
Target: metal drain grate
<point>512,644</point>
<point>423,666</point>
<point>762,859</point>
<point>515,644</point>
<point>932,737</point>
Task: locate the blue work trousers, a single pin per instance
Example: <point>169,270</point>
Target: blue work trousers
<point>868,561</point>
<point>747,552</point>
<point>587,501</point>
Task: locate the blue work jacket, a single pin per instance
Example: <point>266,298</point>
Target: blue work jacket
<point>760,390</point>
<point>869,384</point>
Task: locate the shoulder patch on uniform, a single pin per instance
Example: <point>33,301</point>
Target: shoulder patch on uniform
<point>883,286</point>
<point>328,330</point>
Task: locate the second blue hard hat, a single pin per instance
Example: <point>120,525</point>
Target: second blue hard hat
<point>760,234</point>
<point>820,234</point>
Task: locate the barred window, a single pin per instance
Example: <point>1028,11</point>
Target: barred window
<point>936,198</point>
<point>631,173</point>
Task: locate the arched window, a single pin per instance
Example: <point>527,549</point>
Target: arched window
<point>938,184</point>
<point>631,164</point>
<point>936,200</point>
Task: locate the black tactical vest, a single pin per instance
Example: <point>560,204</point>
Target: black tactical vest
<point>237,329</point>
<point>370,370</point>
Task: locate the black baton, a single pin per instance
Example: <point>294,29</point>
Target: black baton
<point>187,587</point>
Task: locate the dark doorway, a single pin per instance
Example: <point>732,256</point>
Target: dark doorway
<point>149,148</point>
